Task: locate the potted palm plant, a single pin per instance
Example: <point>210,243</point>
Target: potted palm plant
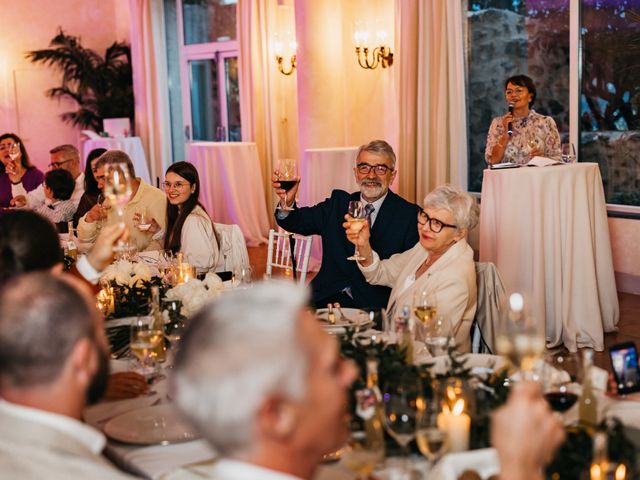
<point>101,87</point>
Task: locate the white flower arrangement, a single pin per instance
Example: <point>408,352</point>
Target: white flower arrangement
<point>194,294</point>
<point>127,274</point>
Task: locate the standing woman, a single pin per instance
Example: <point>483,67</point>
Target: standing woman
<point>189,228</point>
<point>531,134</point>
<point>17,176</point>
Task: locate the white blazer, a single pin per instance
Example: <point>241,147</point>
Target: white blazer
<point>452,278</point>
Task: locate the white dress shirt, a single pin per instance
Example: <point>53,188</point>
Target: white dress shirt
<point>376,205</point>
<point>84,434</point>
<point>36,198</point>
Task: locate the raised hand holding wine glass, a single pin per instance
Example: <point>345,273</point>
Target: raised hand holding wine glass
<point>118,190</point>
<point>285,180</point>
<point>357,221</point>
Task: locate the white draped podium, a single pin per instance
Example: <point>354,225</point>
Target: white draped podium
<point>321,171</point>
<point>231,186</point>
<point>546,230</point>
<point>132,146</point>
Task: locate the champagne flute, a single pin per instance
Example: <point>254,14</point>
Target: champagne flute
<point>118,190</point>
<point>287,176</point>
<point>144,340</point>
<point>521,338</point>
<point>568,153</point>
<point>356,223</point>
<point>430,435</point>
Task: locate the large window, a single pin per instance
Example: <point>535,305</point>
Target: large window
<point>507,37</point>
<point>209,65</point>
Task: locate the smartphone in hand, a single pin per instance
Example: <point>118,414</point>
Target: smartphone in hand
<point>624,360</point>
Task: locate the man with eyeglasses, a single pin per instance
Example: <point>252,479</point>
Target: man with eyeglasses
<point>392,221</point>
<point>66,157</point>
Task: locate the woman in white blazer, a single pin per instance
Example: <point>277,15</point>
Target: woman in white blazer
<point>189,228</point>
<point>440,263</point>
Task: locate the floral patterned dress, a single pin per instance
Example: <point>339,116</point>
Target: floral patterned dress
<point>530,132</point>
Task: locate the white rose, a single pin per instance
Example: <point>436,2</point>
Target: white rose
<point>142,271</point>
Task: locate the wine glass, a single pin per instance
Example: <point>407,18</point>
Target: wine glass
<point>437,335</point>
<point>287,176</point>
<point>430,434</point>
<point>144,341</point>
<point>175,328</point>
<point>401,397</point>
<point>356,223</point>
<point>143,219</point>
<point>118,190</point>
<point>568,153</point>
<point>521,338</point>
<point>424,305</point>
<point>14,151</point>
<point>562,377</point>
<point>242,277</point>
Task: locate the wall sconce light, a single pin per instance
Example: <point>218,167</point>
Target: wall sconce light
<point>381,54</point>
<point>279,48</point>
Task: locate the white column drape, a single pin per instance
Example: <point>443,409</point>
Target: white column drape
<point>431,95</point>
<point>149,65</point>
<point>268,98</point>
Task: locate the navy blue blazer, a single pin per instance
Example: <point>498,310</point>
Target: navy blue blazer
<point>394,231</point>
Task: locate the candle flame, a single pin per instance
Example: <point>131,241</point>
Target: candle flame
<point>451,393</point>
<point>595,472</point>
<point>458,408</point>
<point>621,472</point>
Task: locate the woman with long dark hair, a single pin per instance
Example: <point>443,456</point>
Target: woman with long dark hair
<point>189,227</point>
<point>17,175</point>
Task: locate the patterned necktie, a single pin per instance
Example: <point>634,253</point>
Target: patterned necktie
<point>368,211</point>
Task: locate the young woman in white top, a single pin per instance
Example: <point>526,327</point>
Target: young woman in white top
<point>189,228</point>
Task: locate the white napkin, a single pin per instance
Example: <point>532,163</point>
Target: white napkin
<point>484,461</point>
<point>542,162</point>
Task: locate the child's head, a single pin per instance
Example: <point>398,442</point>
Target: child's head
<point>59,184</point>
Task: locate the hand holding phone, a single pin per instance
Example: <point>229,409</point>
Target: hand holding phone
<point>624,362</point>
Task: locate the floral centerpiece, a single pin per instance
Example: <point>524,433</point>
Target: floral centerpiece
<point>128,283</point>
<point>194,293</point>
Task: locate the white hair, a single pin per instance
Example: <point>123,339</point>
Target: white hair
<point>238,350</point>
<point>461,204</point>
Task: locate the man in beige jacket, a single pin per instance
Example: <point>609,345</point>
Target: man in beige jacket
<point>143,197</point>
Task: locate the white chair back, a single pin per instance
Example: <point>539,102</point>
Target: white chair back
<point>233,253</point>
<point>491,297</point>
<point>279,252</point>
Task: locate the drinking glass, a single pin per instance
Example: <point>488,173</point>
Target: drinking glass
<point>363,455</point>
<point>424,305</point>
<point>14,151</point>
<point>562,377</point>
<point>143,219</point>
<point>144,340</point>
<point>401,397</point>
<point>568,153</point>
<point>118,190</point>
<point>431,436</point>
<point>242,277</point>
<point>437,335</point>
<point>174,329</point>
<point>287,176</point>
<point>521,338</point>
<point>356,223</point>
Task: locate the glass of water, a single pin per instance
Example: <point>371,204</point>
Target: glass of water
<point>568,153</point>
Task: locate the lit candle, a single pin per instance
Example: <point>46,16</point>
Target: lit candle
<point>457,425</point>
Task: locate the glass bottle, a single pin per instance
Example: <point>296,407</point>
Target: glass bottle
<point>72,247</point>
<point>159,352</point>
<point>588,401</point>
<point>403,333</point>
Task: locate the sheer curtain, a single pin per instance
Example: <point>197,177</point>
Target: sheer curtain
<point>431,95</point>
<point>150,88</point>
<point>268,98</point>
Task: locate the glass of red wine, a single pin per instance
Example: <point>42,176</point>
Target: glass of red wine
<point>288,178</point>
<point>561,380</point>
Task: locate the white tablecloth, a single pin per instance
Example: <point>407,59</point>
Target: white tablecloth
<point>321,171</point>
<point>132,146</point>
<point>231,186</point>
<point>546,230</point>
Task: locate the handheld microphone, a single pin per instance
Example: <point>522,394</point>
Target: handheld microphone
<point>509,125</point>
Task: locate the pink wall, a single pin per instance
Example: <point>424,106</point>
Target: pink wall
<point>30,25</point>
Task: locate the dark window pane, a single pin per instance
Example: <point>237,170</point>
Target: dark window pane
<point>510,37</point>
<point>209,20</point>
<point>233,99</point>
<point>610,95</point>
<point>205,107</point>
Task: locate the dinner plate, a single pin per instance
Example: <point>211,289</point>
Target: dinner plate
<point>156,425</point>
<point>350,317</point>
